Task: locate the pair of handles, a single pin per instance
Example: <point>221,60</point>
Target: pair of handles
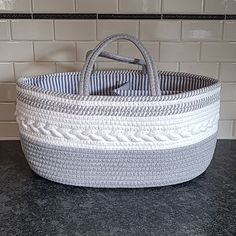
<point>99,51</point>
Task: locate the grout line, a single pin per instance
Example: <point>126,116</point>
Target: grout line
<point>75,6</point>
<point>34,57</point>
<point>118,47</point>
<point>117,43</point>
<point>189,61</point>
<point>161,8</point>
<point>54,30</point>
<point>118,5</point>
<point>76,51</point>
<point>181,30</point>
<point>9,138</point>
<point>222,29</point>
<point>234,129</point>
<point>7,102</point>
<point>32,6</point>
<point>139,23</point>
<point>116,16</point>
<point>200,52</point>
<point>218,70</point>
<point>203,6</point>
<point>10,28</point>
<point>228,82</point>
<point>14,71</point>
<point>55,66</point>
<point>96,28</point>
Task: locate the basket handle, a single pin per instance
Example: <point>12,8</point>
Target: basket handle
<point>119,58</point>
<point>88,67</point>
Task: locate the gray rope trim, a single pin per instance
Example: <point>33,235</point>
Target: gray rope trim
<point>25,83</point>
<point>116,111</point>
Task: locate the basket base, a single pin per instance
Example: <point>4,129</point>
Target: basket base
<point>119,169</point>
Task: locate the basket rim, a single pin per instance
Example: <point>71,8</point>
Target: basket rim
<point>21,83</point>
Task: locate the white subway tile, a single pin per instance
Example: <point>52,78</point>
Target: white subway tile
<point>9,130</point>
<point>168,66</point>
<point>228,72</point>
<point>225,129</point>
<point>84,47</point>
<point>69,67</point>
<point>7,92</point>
<point>228,110</point>
<point>107,6</point>
<point>160,30</point>
<point>5,30</point>
<point>129,50</point>
<point>54,5</point>
<point>31,69</point>
<point>218,51</point>
<point>139,6</point>
<point>177,52</point>
<point>16,51</point>
<point>16,6</point>
<point>206,69</point>
<point>228,91</point>
<point>201,30</point>
<point>75,30</point>
<point>220,6</point>
<point>229,31</point>
<point>184,6</point>
<point>7,111</point>
<point>115,66</point>
<point>32,30</point>
<point>108,27</point>
<point>6,72</point>
<point>55,51</point>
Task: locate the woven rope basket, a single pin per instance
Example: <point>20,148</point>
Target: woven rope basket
<point>118,128</point>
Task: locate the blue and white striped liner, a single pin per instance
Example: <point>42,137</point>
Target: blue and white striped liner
<point>112,83</point>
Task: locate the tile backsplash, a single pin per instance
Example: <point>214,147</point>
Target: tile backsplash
<point>123,6</point>
<point>42,46</point>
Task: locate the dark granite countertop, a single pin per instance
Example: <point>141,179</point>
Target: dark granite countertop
<point>31,205</point>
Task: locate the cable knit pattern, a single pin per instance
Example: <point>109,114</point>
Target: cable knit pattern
<point>116,135</point>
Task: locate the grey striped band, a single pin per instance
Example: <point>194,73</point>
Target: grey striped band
<point>93,110</point>
<point>95,168</point>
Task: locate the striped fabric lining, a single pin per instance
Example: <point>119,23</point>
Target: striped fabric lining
<point>119,83</point>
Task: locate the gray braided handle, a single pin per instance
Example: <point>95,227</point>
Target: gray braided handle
<point>119,58</point>
<point>115,57</point>
<point>88,67</point>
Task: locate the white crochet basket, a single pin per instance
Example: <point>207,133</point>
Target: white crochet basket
<point>118,128</point>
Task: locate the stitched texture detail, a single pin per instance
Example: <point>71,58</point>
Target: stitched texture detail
<point>131,169</point>
<point>95,110</point>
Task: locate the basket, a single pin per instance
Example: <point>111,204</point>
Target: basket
<point>127,129</point>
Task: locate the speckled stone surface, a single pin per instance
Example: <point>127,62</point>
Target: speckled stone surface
<point>31,205</point>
